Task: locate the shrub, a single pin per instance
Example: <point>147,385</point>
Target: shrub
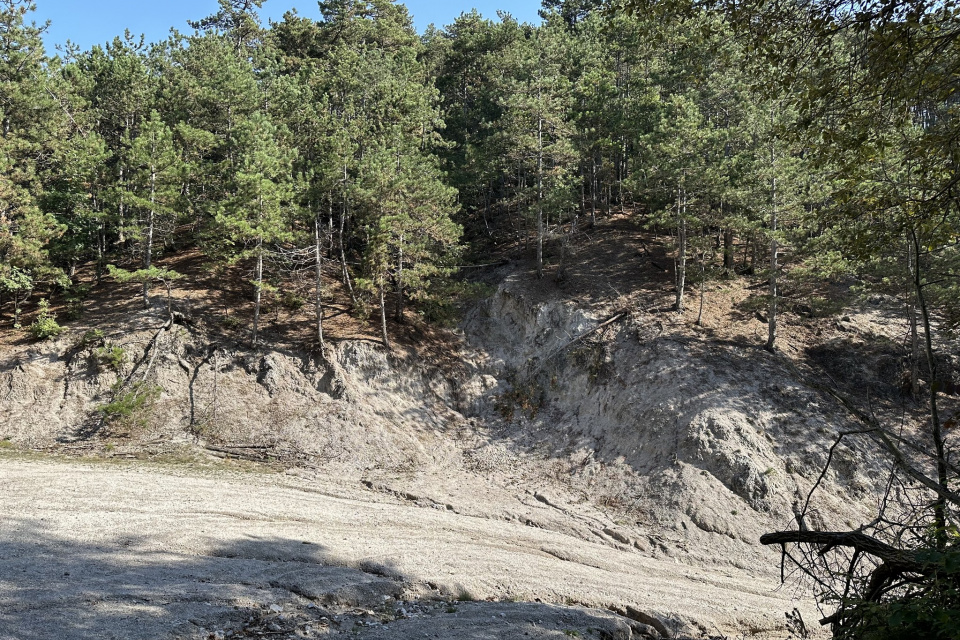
<point>45,326</point>
<point>231,322</point>
<point>131,407</point>
<point>111,356</point>
<point>293,301</point>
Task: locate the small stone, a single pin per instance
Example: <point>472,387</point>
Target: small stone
<point>276,608</point>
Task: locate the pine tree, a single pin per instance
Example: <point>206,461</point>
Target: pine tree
<point>29,119</point>
<point>258,212</point>
<point>536,128</point>
<point>153,188</point>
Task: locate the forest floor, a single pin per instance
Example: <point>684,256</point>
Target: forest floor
<point>533,472</point>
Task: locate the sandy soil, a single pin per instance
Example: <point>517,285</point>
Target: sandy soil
<point>99,550</point>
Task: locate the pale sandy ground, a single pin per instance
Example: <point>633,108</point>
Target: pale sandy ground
<point>96,550</point>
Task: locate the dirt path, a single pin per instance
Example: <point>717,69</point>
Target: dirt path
<point>144,551</point>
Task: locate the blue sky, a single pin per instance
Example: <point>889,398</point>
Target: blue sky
<point>90,22</point>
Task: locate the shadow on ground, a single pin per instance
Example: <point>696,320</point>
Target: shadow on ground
<point>254,587</point>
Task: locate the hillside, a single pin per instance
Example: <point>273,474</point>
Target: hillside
<point>592,449</point>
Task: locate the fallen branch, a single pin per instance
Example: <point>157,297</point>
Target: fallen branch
<point>606,323</point>
<point>903,560</point>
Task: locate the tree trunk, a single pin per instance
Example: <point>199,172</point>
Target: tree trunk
<point>258,279</point>
<point>101,251</point>
<point>399,307</point>
<point>257,294</point>
<point>383,318</point>
<point>343,251</point>
<point>681,262</point>
<point>148,248</point>
<point>318,273</point>
<point>703,284</point>
<point>16,310</point>
<point>774,249</point>
<point>914,335</point>
<point>593,192</point>
<point>940,505</point>
<point>539,197</point>
<point>622,172</point>
<point>121,211</point>
<point>728,265</point>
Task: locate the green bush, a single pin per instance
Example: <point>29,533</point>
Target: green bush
<point>132,407</point>
<point>293,301</point>
<point>74,297</point>
<point>45,326</point>
<point>232,322</point>
<point>111,356</point>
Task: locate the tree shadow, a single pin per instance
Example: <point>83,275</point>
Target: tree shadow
<point>52,585</point>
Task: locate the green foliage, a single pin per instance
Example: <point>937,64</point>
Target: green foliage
<point>45,325</point>
<point>929,608</point>
<point>292,300</point>
<point>152,274</point>
<point>111,356</point>
<point>130,407</point>
<point>232,322</point>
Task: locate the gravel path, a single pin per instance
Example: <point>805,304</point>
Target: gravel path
<point>98,550</point>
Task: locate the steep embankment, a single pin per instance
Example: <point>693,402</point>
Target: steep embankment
<point>701,445</point>
<point>603,452</point>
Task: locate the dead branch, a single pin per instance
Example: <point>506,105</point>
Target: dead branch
<point>903,561</point>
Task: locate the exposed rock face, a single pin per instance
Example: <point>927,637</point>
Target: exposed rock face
<point>652,443</point>
<point>680,429</point>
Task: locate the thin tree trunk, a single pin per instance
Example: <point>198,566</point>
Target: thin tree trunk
<point>539,196</point>
<point>121,211</point>
<point>330,225</point>
<point>383,318</point>
<point>621,172</point>
<point>728,250</point>
<point>257,294</point>
<point>703,284</point>
<point>148,249</point>
<point>101,251</point>
<point>914,336</point>
<point>940,504</point>
<point>258,279</point>
<point>593,192</point>
<point>399,307</point>
<point>774,247</point>
<point>343,251</point>
<point>318,272</point>
<point>681,263</point>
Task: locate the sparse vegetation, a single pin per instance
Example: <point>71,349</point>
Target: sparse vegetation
<point>130,407</point>
<point>464,595</point>
<point>45,325</point>
<point>111,356</point>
